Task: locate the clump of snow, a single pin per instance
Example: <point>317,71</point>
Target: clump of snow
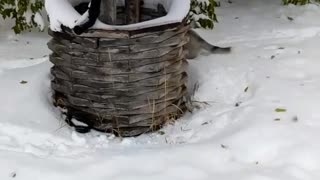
<point>61,12</point>
<point>38,19</point>
<point>197,12</point>
<point>28,16</point>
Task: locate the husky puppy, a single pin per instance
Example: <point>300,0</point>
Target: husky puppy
<point>196,44</point>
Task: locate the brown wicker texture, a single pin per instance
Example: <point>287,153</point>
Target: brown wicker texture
<point>126,82</point>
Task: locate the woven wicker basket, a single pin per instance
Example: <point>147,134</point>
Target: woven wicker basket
<point>126,82</point>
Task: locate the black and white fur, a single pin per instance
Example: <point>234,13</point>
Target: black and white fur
<point>89,11</point>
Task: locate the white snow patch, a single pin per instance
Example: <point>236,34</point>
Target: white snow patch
<point>39,20</point>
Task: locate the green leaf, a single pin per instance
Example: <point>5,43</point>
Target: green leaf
<point>224,146</point>
<point>16,9</point>
<point>206,9</point>
<point>280,110</point>
<point>246,89</point>
<point>23,82</point>
<point>297,2</point>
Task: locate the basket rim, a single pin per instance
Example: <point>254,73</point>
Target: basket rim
<point>118,34</point>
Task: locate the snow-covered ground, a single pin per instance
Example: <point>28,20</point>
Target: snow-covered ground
<point>260,119</point>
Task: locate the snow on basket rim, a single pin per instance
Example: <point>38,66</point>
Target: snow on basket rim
<point>61,12</point>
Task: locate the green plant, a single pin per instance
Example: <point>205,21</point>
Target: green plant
<point>203,13</point>
<point>298,2</point>
<point>24,12</point>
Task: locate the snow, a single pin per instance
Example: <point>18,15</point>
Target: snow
<point>237,134</point>
<point>39,20</point>
<point>61,12</point>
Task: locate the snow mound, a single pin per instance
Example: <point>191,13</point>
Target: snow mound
<point>61,12</point>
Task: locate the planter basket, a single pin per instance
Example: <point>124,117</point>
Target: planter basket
<point>125,82</point>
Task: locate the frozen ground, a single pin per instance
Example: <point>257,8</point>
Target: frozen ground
<point>262,120</point>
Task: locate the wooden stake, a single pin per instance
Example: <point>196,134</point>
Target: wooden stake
<point>132,11</point>
<point>108,11</point>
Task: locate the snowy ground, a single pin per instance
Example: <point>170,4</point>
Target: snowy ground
<point>262,121</point>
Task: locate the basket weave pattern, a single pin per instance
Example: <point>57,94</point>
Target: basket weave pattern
<point>125,82</point>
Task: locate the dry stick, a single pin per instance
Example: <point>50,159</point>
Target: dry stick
<point>62,123</point>
<point>133,11</point>
<point>100,118</point>
<point>115,110</point>
<point>177,108</point>
<point>165,92</point>
<point>152,110</point>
